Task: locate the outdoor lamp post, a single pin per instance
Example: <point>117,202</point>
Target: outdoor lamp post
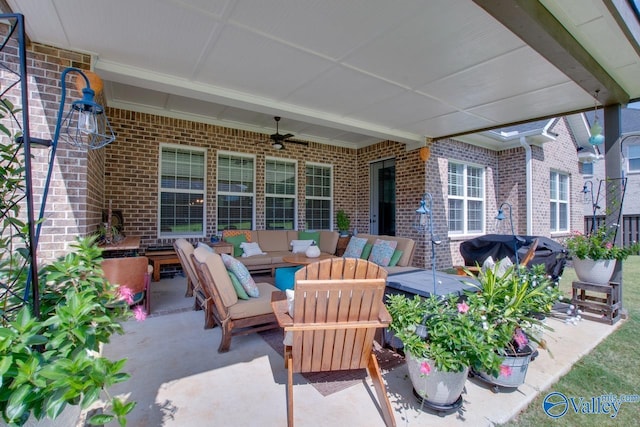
<point>84,126</point>
<point>587,188</point>
<point>501,217</point>
<point>424,223</point>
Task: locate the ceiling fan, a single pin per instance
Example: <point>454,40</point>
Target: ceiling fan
<point>278,139</point>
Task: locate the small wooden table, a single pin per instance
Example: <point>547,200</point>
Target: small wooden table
<point>130,245</point>
<point>302,259</point>
<point>222,248</point>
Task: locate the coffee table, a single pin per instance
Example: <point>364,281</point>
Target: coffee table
<point>302,259</point>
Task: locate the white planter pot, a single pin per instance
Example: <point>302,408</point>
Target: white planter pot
<point>519,364</point>
<point>437,388</point>
<point>598,272</point>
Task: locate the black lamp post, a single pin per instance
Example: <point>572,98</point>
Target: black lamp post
<point>424,223</point>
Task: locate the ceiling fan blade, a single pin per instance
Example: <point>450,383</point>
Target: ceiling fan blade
<point>287,135</point>
<point>305,143</point>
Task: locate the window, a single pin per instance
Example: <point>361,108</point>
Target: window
<point>182,191</point>
<point>587,168</point>
<point>634,158</point>
<point>559,204</point>
<point>318,197</point>
<point>280,195</point>
<point>236,179</point>
<point>466,199</point>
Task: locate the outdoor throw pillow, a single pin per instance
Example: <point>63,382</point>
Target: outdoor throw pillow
<point>236,241</point>
<point>355,247</point>
<point>251,249</point>
<point>382,252</point>
<point>300,246</point>
<point>366,251</point>
<point>397,254</point>
<point>309,235</point>
<point>205,246</point>
<point>242,273</point>
<point>242,294</point>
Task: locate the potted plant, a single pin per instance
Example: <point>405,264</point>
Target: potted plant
<point>50,360</point>
<point>343,222</point>
<point>442,338</point>
<point>514,304</point>
<point>594,255</point>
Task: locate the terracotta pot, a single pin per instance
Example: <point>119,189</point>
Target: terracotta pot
<point>594,271</point>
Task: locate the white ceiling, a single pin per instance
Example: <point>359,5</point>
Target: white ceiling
<point>340,72</point>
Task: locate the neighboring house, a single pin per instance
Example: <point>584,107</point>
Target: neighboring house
<point>592,166</point>
<point>176,178</point>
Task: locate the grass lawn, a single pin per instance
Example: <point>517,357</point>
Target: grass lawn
<point>611,368</point>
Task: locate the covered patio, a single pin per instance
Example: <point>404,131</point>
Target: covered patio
<point>178,378</point>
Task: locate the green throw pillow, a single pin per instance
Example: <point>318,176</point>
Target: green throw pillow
<point>242,294</point>
<point>366,251</point>
<point>309,235</point>
<point>236,241</point>
<point>397,254</point>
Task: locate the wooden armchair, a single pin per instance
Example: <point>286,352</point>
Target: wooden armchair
<point>235,316</point>
<point>203,300</point>
<point>132,272</point>
<point>337,309</point>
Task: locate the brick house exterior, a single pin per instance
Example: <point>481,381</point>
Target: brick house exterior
<point>125,172</point>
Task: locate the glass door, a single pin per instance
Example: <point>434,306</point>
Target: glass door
<point>383,197</point>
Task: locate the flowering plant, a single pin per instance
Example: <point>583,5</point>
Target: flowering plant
<point>475,330</point>
<point>598,245</point>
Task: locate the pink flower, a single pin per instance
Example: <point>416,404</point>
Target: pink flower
<point>520,338</point>
<point>126,294</point>
<point>608,245</point>
<point>505,370</point>
<point>463,307</point>
<point>139,313</point>
<point>425,368</point>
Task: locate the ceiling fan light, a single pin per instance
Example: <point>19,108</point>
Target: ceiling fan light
<point>277,145</point>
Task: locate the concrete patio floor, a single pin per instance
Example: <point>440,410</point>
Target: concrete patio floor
<point>179,379</point>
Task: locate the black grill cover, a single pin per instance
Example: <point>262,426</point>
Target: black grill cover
<point>498,246</point>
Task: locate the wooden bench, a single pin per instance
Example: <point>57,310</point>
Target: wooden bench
<point>160,258</point>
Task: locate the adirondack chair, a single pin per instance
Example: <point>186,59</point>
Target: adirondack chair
<point>337,308</point>
<point>203,300</point>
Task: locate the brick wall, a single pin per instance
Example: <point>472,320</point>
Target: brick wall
<point>67,201</point>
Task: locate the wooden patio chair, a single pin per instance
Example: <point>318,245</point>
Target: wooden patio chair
<point>132,272</point>
<point>203,300</point>
<point>235,316</point>
<point>338,307</point>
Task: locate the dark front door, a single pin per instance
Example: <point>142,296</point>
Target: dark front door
<point>383,197</point>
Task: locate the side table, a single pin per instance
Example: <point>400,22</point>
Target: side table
<point>222,248</point>
<point>343,242</point>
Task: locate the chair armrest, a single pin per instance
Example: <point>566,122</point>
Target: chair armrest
<point>281,311</point>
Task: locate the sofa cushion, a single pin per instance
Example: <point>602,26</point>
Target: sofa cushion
<point>231,233</point>
<point>242,294</point>
<point>273,240</point>
<point>395,258</point>
<point>366,251</point>
<point>254,306</point>
<point>218,271</point>
<point>300,246</point>
<point>405,244</point>
<point>355,247</point>
<point>382,251</point>
<point>243,275</point>
<point>251,249</point>
<point>236,241</point>
<point>310,235</point>
<point>328,241</point>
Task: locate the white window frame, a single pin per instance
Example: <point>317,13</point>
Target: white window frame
<point>251,194</point>
<point>558,201</point>
<point>329,198</point>
<point>636,156</point>
<point>163,235</point>
<point>293,196</point>
<point>584,165</point>
<point>465,198</point>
